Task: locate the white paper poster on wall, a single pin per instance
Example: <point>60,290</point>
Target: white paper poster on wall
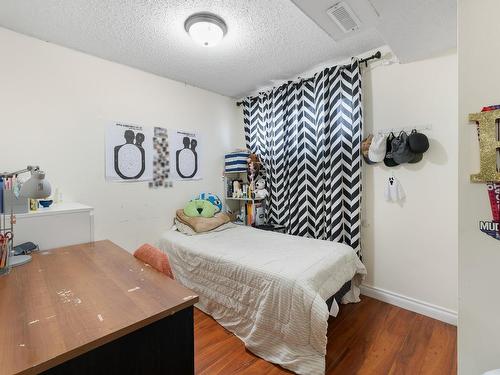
<point>185,155</point>
<point>129,153</point>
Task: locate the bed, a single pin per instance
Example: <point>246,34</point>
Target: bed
<point>268,288</point>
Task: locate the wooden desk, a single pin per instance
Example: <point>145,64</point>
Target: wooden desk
<point>94,309</point>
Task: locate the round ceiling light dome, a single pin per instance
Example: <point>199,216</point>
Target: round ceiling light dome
<point>206,29</point>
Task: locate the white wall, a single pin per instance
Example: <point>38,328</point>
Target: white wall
<point>479,255</point>
<point>410,249</point>
<point>54,106</point>
<point>238,138</point>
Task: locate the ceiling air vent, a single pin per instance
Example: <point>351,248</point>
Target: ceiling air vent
<point>344,17</point>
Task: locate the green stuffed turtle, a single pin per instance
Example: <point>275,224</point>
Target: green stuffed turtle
<point>200,207</point>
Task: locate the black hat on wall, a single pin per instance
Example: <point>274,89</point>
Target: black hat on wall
<point>419,143</point>
<point>416,158</point>
<point>401,149</point>
<point>389,160</point>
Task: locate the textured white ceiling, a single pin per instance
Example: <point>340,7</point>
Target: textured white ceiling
<point>266,40</point>
<point>414,29</point>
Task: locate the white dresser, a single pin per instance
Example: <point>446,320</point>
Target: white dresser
<point>59,225</point>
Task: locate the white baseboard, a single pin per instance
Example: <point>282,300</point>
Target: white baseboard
<point>412,304</point>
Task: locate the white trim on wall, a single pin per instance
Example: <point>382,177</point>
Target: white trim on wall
<point>412,304</point>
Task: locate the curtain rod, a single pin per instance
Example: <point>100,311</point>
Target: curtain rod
<point>376,55</point>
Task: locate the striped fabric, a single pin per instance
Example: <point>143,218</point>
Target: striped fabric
<point>308,136</point>
<point>236,161</point>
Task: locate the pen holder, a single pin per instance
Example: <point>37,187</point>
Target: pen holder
<point>5,249</point>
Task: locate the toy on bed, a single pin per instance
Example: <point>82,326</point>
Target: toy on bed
<point>212,198</point>
<point>200,207</point>
<point>197,224</point>
<point>260,188</point>
<point>201,216</point>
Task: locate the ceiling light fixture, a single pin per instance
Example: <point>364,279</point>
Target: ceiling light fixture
<point>206,29</point>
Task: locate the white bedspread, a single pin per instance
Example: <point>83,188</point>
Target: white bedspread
<point>268,288</point>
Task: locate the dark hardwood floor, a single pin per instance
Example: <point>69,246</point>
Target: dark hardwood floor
<point>370,337</point>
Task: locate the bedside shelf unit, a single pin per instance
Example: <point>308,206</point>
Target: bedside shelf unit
<point>239,205</point>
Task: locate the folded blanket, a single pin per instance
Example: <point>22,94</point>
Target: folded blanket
<point>202,224</point>
<point>187,230</point>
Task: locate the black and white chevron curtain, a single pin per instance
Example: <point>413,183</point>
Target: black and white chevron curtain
<point>308,137</point>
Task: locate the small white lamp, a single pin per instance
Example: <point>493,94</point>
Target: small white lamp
<point>37,187</point>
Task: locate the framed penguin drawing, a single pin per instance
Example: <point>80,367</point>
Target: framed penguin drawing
<point>186,155</point>
<point>129,153</point>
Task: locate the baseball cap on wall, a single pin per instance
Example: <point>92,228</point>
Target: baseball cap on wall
<point>389,160</point>
<point>419,143</point>
<point>401,149</point>
<point>365,146</point>
<point>416,158</point>
<point>378,148</point>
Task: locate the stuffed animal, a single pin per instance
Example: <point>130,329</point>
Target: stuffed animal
<point>199,207</point>
<point>237,191</point>
<point>260,188</point>
<point>253,167</point>
<point>212,198</point>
